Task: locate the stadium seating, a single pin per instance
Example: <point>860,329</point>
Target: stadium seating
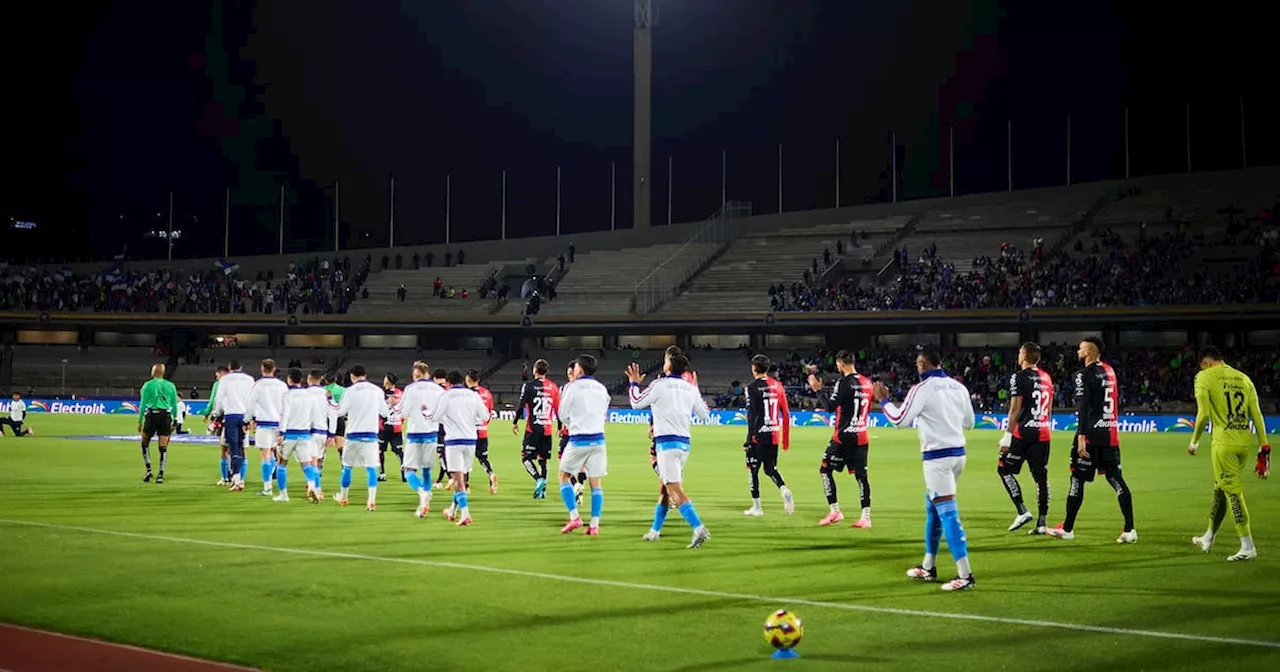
<point>604,282</point>
<point>102,371</point>
<point>737,279</point>
<point>420,300</point>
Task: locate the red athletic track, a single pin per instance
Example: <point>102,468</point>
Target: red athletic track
<point>26,650</point>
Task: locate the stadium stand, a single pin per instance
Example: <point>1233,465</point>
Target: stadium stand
<point>604,282</point>
<point>420,297</point>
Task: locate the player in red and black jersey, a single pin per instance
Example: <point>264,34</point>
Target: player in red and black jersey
<point>540,403</point>
<point>768,428</point>
<point>1030,424</point>
<point>482,432</point>
<point>1097,444</point>
<point>850,400</point>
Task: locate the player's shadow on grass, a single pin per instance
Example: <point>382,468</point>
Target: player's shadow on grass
<point>764,659</point>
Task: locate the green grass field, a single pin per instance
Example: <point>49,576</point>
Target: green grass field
<point>86,548</point>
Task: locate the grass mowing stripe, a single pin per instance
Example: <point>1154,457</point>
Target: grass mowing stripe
<point>656,588</point>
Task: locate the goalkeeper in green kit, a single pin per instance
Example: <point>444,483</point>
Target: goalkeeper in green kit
<point>1227,398</point>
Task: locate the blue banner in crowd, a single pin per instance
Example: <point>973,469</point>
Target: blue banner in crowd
<point>1065,422</point>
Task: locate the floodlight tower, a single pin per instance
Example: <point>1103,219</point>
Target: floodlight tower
<point>641,143</point>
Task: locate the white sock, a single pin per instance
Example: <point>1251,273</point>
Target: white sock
<point>1246,543</point>
<point>1208,536</point>
<point>465,513</point>
<point>835,508</point>
<point>342,493</point>
<point>373,494</point>
<point>784,491</point>
<point>755,503</point>
<point>866,512</point>
<point>929,561</point>
<point>962,567</point>
<point>595,521</point>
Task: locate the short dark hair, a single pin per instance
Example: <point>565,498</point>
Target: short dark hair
<point>269,365</point>
<point>679,364</point>
<point>473,375</point>
<point>845,356</point>
<point>761,363</point>
<point>930,355</point>
<point>357,371</point>
<point>295,376</point>
<point>588,364</point>
<point>393,378</point>
<point>222,369</point>
<point>672,350</point>
<point>439,374</point>
<point>1096,341</point>
<point>235,365</point>
<point>1033,351</point>
<point>454,377</point>
<point>317,374</point>
<point>1211,353</point>
<point>541,367</point>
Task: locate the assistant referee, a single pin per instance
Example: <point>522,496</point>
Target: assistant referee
<point>156,412</point>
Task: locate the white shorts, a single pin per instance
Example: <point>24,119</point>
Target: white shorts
<point>940,476</point>
<point>265,438</point>
<point>302,450</point>
<point>459,457</point>
<point>319,444</point>
<point>420,455</point>
<point>360,454</point>
<point>592,460</point>
<point>671,465</point>
<point>333,424</point>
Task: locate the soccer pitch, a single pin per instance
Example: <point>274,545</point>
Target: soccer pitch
<point>187,567</point>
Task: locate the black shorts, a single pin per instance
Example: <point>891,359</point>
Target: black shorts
<point>157,423</point>
<point>1104,459</point>
<point>564,443</point>
<point>536,447</point>
<point>340,427</point>
<point>482,448</point>
<point>840,457</point>
<point>766,455</point>
<point>1035,453</point>
<point>388,434</point>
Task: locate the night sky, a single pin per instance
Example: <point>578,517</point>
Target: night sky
<point>114,104</point>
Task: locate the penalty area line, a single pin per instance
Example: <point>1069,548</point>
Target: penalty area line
<point>626,585</point>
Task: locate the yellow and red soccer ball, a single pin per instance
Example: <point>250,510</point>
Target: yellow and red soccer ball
<point>783,630</point>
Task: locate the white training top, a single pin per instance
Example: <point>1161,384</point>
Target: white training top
<point>234,392</point>
<point>584,408</point>
<point>940,409</point>
<point>17,410</point>
<point>183,409</point>
<point>321,398</point>
<point>363,404</point>
<point>301,411</point>
<point>673,402</point>
<point>266,401</point>
<point>460,410</point>
<point>417,402</point>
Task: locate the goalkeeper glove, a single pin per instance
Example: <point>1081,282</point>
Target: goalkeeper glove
<point>1263,468</point>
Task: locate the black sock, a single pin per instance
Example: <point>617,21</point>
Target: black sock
<point>754,480</point>
<point>164,458</point>
<point>1042,496</point>
<point>1012,487</point>
<point>542,469</point>
<point>146,456</point>
<point>1075,497</point>
<point>829,486</point>
<point>382,461</point>
<point>484,462</point>
<point>531,467</point>
<point>864,487</point>
<point>466,481</point>
<point>1124,497</point>
<point>775,476</point>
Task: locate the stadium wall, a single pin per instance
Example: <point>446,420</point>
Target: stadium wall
<point>626,416</point>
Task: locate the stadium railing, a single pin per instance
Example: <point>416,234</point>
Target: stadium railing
<point>706,243</point>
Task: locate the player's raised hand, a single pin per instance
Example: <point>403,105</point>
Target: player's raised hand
<point>880,390</point>
<point>633,373</point>
<point>815,383</point>
<point>1263,468</point>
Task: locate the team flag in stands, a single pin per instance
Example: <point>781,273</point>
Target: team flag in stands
<point>227,267</point>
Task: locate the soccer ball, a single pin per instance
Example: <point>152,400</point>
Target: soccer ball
<point>783,629</point>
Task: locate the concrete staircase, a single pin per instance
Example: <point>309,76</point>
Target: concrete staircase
<point>419,301</point>
<point>603,283</point>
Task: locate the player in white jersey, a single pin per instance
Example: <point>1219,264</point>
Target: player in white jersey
<point>183,410</point>
<point>939,408</point>
<point>420,398</point>
<point>265,403</point>
<point>231,404</point>
<point>298,416</point>
<point>672,401</point>
<point>459,411</point>
<point>321,433</point>
<point>362,405</point>
<point>584,407</point>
